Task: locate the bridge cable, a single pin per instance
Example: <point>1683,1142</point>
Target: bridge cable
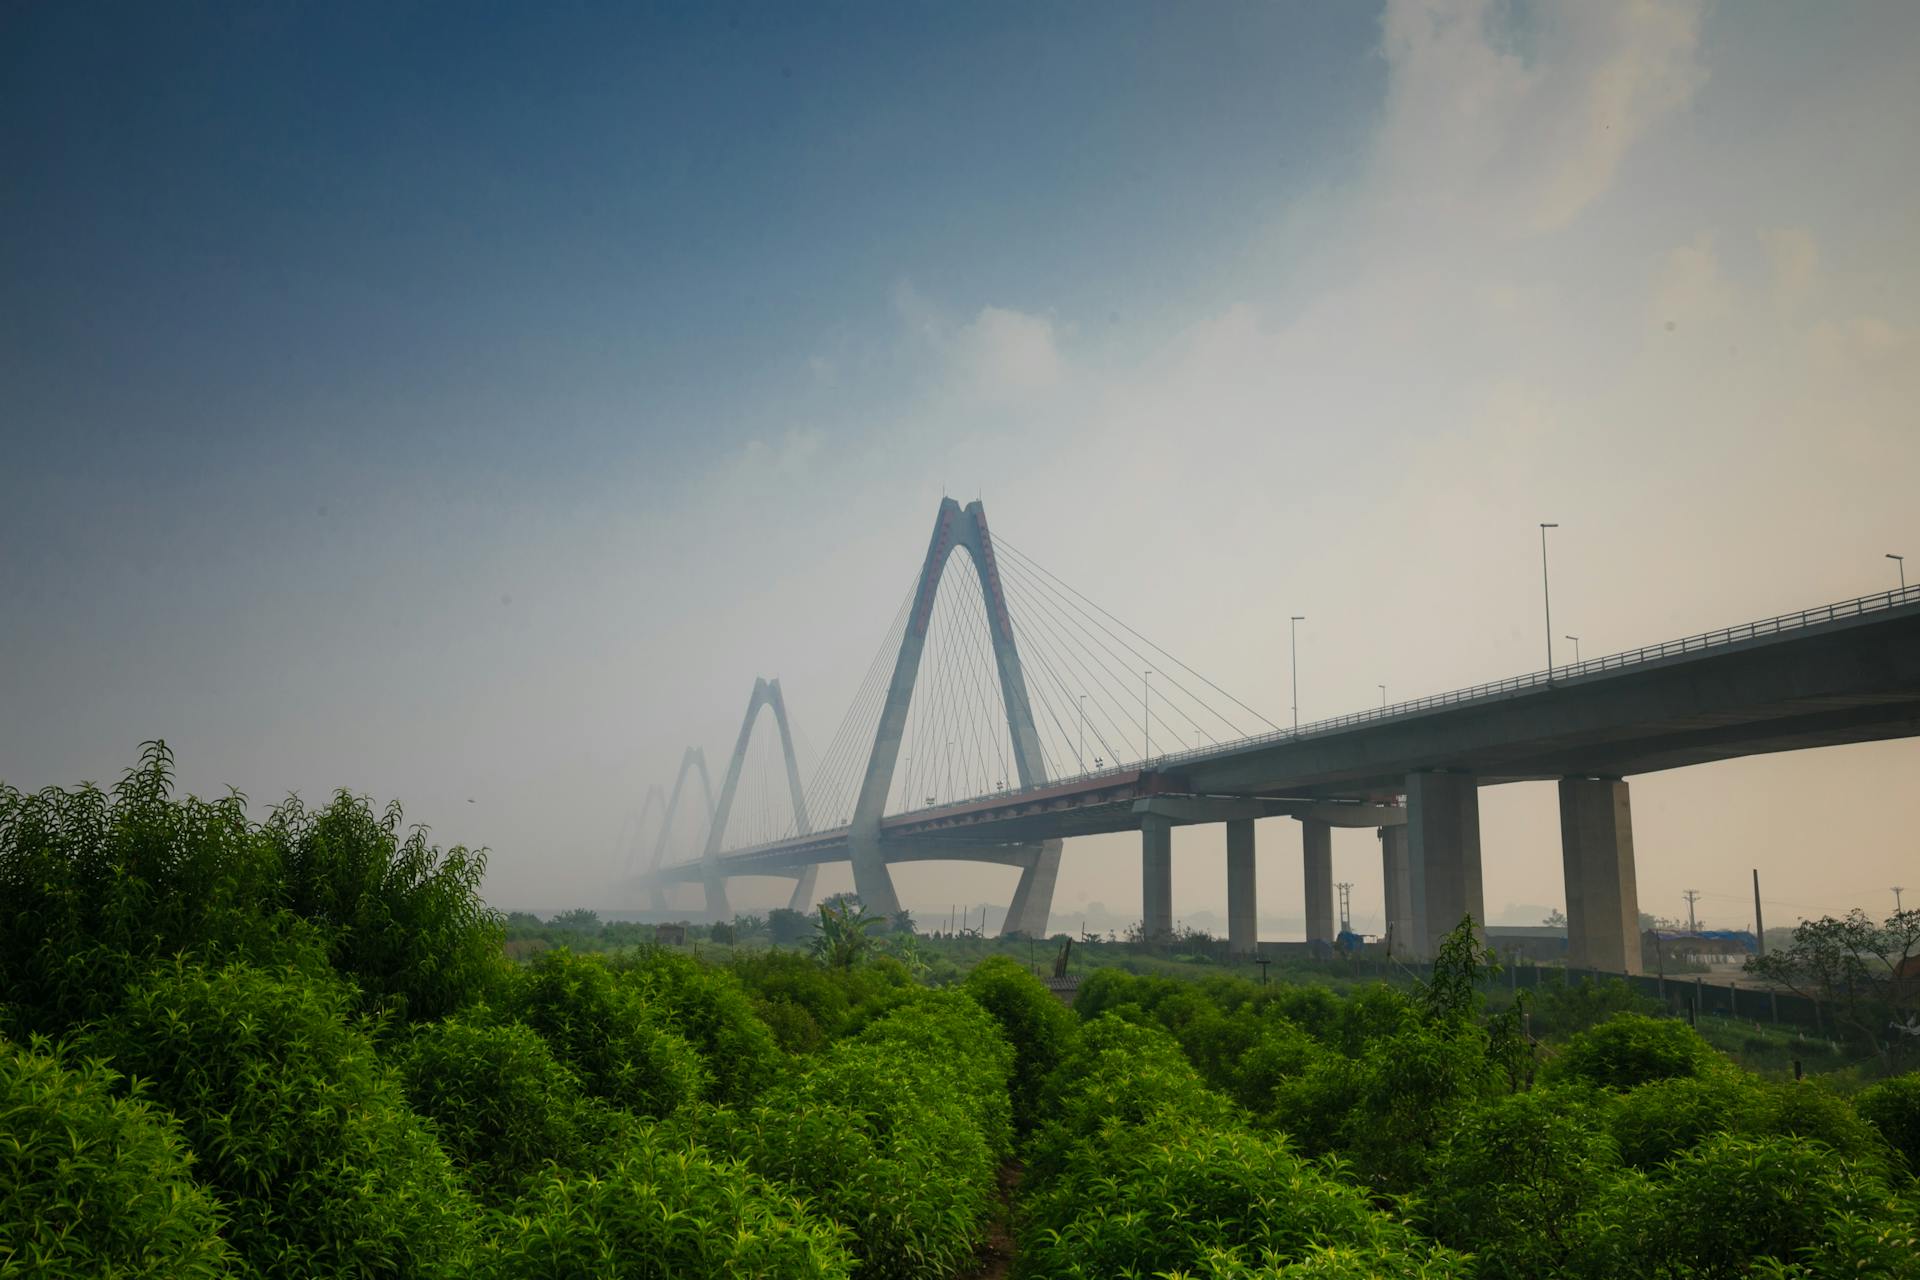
<point>1036,567</point>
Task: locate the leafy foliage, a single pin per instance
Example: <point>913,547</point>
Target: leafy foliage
<point>94,1184</point>
<point>1038,1026</point>
<point>607,1032</point>
<point>1861,969</point>
<point>95,886</point>
<point>843,936</point>
<point>300,1129</point>
<point>712,1011</point>
<point>1515,1177</point>
<point>662,1208</point>
<point>503,1106</point>
<point>403,919</point>
<point>1632,1050</point>
<point>888,1134</point>
<point>1893,1107</point>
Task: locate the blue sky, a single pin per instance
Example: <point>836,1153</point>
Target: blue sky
<point>468,402</point>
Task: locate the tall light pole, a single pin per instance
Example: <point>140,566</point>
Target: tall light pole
<point>1576,648</point>
<point>1293,651</point>
<point>1080,744</point>
<point>1383,694</point>
<point>1146,717</point>
<point>1546,595</point>
<point>1897,891</point>
<point>1902,562</point>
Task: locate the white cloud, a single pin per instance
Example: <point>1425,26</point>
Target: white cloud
<point>1526,139</point>
<point>1000,355</point>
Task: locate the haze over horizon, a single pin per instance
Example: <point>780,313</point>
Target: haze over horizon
<point>465,406</point>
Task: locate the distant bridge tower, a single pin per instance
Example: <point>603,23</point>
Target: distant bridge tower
<point>692,759</point>
<point>1033,899</point>
<point>766,693</point>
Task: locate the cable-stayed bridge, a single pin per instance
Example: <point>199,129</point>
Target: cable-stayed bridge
<point>1005,713</point>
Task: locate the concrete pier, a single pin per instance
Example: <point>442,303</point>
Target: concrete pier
<point>1596,850</point>
<point>1316,849</point>
<point>1243,930</point>
<point>1398,878</point>
<point>1156,877</point>
<point>1443,855</point>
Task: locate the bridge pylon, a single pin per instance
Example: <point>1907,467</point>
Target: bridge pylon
<point>954,527</point>
<point>691,760</point>
<point>766,693</point>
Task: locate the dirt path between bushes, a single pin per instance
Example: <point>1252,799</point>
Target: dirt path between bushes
<point>996,1256</point>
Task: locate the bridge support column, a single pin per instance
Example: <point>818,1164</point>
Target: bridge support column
<point>802,899</point>
<point>1397,876</point>
<point>1156,877</point>
<point>1032,905</point>
<point>872,882</point>
<point>1443,855</point>
<point>1596,850</point>
<point>1316,848</point>
<point>1243,927</point>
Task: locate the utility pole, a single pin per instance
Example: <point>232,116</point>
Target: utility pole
<point>1346,905</point>
<point>1691,896</point>
<point>1759,925</point>
<point>1897,889</point>
<point>1146,717</point>
<point>1293,651</point>
<point>1546,595</point>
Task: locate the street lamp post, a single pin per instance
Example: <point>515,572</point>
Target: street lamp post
<point>1080,744</point>
<point>1546,595</point>
<point>1293,653</point>
<point>1383,694</point>
<point>1576,648</point>
<point>1146,716</point>
<point>1902,562</point>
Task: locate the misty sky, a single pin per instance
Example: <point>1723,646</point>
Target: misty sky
<point>464,403</point>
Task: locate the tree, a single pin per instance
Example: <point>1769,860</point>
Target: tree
<point>787,925</point>
<point>844,933</point>
<point>579,920</point>
<point>1556,918</point>
<point>1868,974</point>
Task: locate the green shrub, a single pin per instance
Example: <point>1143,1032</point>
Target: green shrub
<point>1893,1107</point>
<point>1283,1051</point>
<point>297,1125</point>
<point>92,1184</point>
<point>958,1052</point>
<point>1039,1027</point>
<point>876,1147</point>
<point>662,1208</point>
<point>94,887</point>
<point>1395,1103</point>
<point>503,1106</point>
<point>713,1012</point>
<point>799,999</point>
<point>1658,1121</point>
<point>1731,1201</point>
<point>401,918</point>
<point>1163,1197</point>
<point>1514,1179</point>
<point>605,1030</point>
<point>1631,1050</point>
